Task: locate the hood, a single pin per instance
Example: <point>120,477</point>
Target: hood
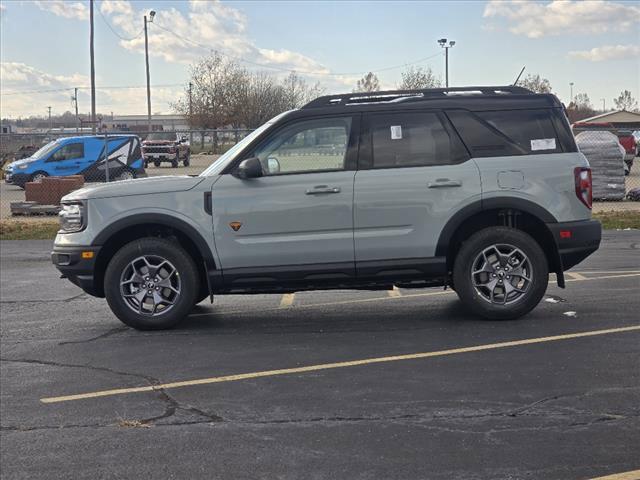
<point>17,163</point>
<point>140,186</point>
<point>158,142</point>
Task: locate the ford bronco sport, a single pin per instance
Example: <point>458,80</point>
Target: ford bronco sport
<point>480,189</point>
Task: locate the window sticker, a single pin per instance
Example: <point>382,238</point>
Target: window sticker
<point>396,132</point>
<point>543,144</point>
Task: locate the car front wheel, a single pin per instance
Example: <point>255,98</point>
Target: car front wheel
<point>500,273</point>
<point>151,284</point>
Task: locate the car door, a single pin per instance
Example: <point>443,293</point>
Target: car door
<point>67,160</point>
<point>295,223</point>
<point>413,175</point>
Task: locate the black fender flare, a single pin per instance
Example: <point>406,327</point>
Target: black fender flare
<point>158,219</point>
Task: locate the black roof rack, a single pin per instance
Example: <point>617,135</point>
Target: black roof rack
<point>394,96</point>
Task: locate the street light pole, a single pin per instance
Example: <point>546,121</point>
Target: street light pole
<point>604,109</point>
<point>443,43</point>
<point>146,57</point>
<point>50,125</point>
<point>571,95</point>
<point>93,70</point>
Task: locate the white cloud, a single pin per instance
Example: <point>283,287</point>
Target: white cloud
<point>534,19</point>
<point>206,27</point>
<point>607,52</point>
<point>62,8</point>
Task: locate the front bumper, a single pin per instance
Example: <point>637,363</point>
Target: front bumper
<point>576,240</point>
<point>77,264</point>
<point>16,178</point>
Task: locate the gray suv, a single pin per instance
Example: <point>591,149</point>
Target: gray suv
<point>481,189</point>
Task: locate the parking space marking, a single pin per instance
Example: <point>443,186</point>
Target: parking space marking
<point>394,292</point>
<point>388,297</point>
<point>336,365</point>
<point>635,475</point>
<point>287,300</point>
<point>576,275</point>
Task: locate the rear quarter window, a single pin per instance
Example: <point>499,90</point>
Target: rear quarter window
<point>507,132</point>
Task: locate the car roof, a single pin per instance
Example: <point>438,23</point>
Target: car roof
<point>93,137</point>
<point>474,98</point>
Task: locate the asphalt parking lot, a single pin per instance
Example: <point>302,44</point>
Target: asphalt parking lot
<point>400,384</point>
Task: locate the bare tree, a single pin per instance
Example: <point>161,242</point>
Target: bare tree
<point>368,83</point>
<point>297,92</point>
<point>580,108</point>
<point>625,101</point>
<point>415,78</point>
<point>535,83</point>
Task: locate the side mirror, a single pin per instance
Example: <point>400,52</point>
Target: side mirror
<point>249,168</point>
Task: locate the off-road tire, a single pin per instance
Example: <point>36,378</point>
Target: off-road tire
<point>186,270</point>
<point>464,264</point>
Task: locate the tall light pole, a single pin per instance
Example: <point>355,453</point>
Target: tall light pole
<point>50,124</point>
<point>604,109</point>
<point>571,95</point>
<point>93,70</point>
<point>146,58</point>
<point>443,43</point>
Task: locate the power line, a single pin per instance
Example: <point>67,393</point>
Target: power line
<point>291,70</point>
<point>115,87</point>
<point>114,31</point>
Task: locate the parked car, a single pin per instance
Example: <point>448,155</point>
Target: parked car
<point>606,159</point>
<point>628,142</point>
<point>481,189</point>
<point>170,147</point>
<point>80,156</point>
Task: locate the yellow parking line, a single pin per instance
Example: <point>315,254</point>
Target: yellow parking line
<point>635,475</point>
<point>576,275</point>
<point>379,299</point>
<point>394,292</point>
<point>330,366</point>
<point>287,300</point>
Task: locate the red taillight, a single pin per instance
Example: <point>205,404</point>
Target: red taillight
<point>584,189</point>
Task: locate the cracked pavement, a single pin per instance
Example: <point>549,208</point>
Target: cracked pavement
<point>559,410</point>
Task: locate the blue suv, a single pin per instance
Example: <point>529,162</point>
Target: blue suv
<point>80,156</point>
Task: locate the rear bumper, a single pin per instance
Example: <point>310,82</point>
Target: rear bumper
<point>77,268</point>
<point>576,240</point>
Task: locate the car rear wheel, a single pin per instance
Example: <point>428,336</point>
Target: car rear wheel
<point>151,284</point>
<point>156,163</point>
<point>500,273</point>
<point>127,175</point>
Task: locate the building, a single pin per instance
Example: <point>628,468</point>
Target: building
<point>620,119</point>
<point>138,123</point>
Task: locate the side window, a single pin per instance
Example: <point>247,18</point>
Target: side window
<point>413,140</point>
<point>506,132</point>
<point>68,152</point>
<point>307,146</point>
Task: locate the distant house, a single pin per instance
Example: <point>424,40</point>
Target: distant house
<point>139,123</point>
<point>5,128</point>
<point>620,119</point>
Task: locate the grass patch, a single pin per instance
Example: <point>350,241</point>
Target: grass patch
<point>618,220</point>
<point>28,230</point>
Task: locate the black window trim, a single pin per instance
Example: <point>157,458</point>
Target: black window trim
<point>365,159</point>
<point>351,152</point>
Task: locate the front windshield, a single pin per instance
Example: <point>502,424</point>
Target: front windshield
<point>45,151</point>
<point>217,166</point>
<point>161,136</point>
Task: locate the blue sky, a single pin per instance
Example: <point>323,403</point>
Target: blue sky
<point>44,45</point>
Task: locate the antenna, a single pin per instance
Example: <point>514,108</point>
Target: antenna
<point>519,75</point>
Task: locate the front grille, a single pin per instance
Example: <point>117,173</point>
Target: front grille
<point>157,149</point>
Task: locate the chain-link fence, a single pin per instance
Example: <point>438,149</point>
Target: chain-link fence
<point>35,187</point>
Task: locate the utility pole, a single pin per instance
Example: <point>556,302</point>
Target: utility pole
<point>75,101</point>
<point>190,112</point>
<point>146,58</point>
<point>50,125</point>
<point>604,109</point>
<point>93,70</point>
<point>443,43</point>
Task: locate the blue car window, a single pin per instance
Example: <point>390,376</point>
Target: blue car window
<point>68,152</point>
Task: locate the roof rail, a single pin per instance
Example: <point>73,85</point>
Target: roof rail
<point>389,96</point>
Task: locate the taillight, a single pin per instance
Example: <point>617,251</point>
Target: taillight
<point>584,187</point>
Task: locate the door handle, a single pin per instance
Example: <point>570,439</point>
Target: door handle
<point>322,189</point>
<point>444,182</point>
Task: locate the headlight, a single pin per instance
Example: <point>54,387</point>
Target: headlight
<point>73,217</point>
<point>24,166</point>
